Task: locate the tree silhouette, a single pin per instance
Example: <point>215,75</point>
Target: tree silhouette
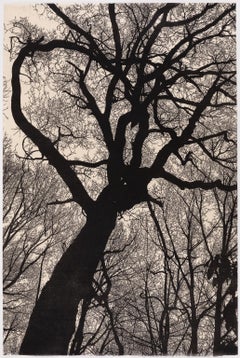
<point>149,91</point>
<point>32,236</point>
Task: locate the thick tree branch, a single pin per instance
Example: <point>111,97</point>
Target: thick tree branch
<point>139,139</point>
<point>59,202</point>
<point>87,164</point>
<point>170,59</point>
<point>179,141</point>
<point>102,120</point>
<point>109,100</point>
<point>192,18</point>
<point>94,49</point>
<point>44,144</point>
<point>151,23</point>
<point>116,34</point>
<point>68,45</point>
<point>183,184</point>
<point>78,29</point>
<point>190,36</point>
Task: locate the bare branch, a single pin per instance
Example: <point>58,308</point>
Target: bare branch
<point>182,184</point>
<point>57,202</point>
<point>45,146</point>
<point>87,164</point>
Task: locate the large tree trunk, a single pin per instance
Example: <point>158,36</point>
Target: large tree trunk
<point>218,321</point>
<point>52,322</point>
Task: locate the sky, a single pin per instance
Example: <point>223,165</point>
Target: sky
<point>14,12</point>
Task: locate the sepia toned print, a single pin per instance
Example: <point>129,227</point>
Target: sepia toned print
<point>119,175</point>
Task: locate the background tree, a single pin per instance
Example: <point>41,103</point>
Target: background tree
<point>147,92</point>
<point>160,290</point>
<point>191,248</point>
<point>222,270</point>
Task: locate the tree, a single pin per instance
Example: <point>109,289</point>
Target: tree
<point>222,270</point>
<point>148,91</point>
<point>206,234</point>
<point>161,297</point>
<point>32,235</point>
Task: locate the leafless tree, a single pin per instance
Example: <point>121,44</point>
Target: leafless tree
<point>148,91</point>
<point>32,231</point>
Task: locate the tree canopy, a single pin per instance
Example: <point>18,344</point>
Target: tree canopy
<point>133,106</point>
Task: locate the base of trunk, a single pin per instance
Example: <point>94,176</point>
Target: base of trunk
<point>52,322</point>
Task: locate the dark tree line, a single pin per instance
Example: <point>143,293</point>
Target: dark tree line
<point>133,108</point>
